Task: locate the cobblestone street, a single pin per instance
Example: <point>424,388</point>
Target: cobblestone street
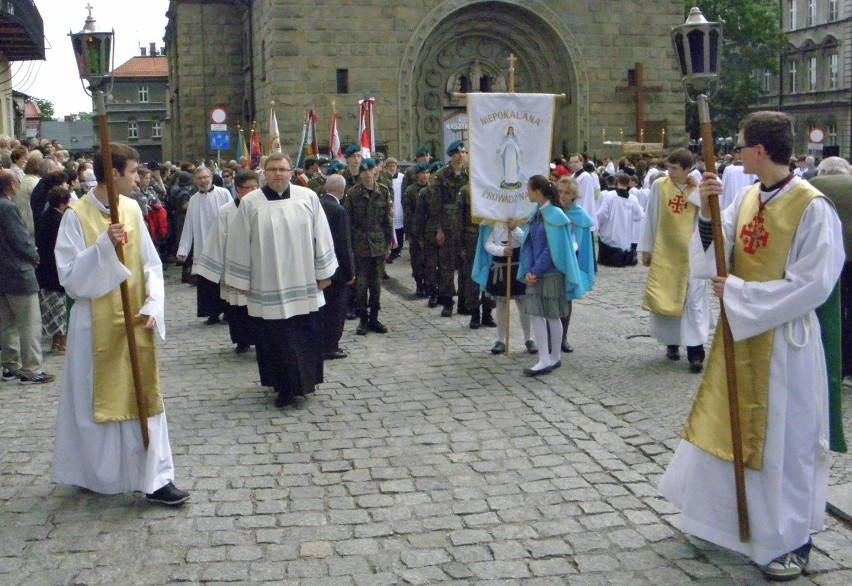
<point>422,459</point>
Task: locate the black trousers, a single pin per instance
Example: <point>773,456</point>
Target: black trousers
<point>846,317</point>
<point>210,304</point>
<point>239,325</point>
<point>333,315</point>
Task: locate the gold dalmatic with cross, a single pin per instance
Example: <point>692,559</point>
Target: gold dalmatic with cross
<point>754,235</point>
<point>677,204</point>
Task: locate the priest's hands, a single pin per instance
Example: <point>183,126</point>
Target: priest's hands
<point>150,323</point>
<point>718,284</point>
<point>116,234</point>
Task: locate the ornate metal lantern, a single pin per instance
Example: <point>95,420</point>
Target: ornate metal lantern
<point>697,44</point>
<point>93,52</point>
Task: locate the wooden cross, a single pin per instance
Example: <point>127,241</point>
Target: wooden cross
<point>639,91</point>
<point>511,59</point>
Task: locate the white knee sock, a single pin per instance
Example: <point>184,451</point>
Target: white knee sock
<point>555,327</point>
<point>539,328</point>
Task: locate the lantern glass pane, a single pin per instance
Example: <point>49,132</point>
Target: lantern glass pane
<point>93,56</point>
<point>696,50</point>
<point>678,43</point>
<point>715,37</point>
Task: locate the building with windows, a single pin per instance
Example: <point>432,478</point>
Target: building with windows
<point>814,83</point>
<point>136,106</point>
<point>21,39</point>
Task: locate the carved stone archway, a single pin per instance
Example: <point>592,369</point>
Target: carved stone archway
<point>458,33</point>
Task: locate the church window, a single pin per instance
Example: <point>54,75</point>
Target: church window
<point>132,129</point>
<point>833,71</point>
<point>342,81</point>
<point>811,12</point>
<point>156,130</point>
<point>143,93</point>
<point>792,6</point>
<point>767,80</point>
<point>791,77</point>
<point>832,10</point>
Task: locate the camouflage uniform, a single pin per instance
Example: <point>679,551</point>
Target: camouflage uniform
<point>443,215</point>
<point>414,230</point>
<point>317,184</point>
<point>469,292</point>
<point>429,247</point>
<point>351,180</point>
<point>372,235</point>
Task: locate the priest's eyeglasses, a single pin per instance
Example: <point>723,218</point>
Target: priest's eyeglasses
<point>278,170</point>
<point>738,147</point>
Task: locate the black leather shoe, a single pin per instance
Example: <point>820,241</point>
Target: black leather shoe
<point>282,401</point>
<point>169,495</point>
<point>498,348</point>
<point>475,323</point>
<point>351,315</point>
<point>531,347</point>
<point>375,325</point>
<point>566,347</point>
<point>242,348</point>
<point>447,311</point>
<point>212,320</point>
<point>672,353</point>
<point>433,301</point>
<point>488,320</point>
<point>463,310</point>
<point>696,365</point>
<point>336,355</point>
<point>532,372</point>
<point>361,330</point>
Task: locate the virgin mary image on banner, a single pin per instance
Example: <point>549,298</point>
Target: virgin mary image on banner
<point>510,159</point>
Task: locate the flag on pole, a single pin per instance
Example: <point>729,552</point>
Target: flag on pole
<point>256,151</point>
<point>311,148</point>
<point>366,133</point>
<point>273,143</point>
<point>334,151</point>
<point>242,149</point>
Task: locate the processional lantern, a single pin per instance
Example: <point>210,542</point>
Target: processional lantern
<point>697,44</point>
<point>93,52</point>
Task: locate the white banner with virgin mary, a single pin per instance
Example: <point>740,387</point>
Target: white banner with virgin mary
<point>510,139</point>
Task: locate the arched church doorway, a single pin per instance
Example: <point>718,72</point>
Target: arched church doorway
<point>464,47</point>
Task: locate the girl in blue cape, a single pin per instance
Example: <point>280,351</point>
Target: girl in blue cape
<point>493,256</point>
<point>549,267</point>
<point>584,246</point>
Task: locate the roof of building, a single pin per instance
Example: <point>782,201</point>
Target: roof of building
<point>143,67</point>
<point>31,110</point>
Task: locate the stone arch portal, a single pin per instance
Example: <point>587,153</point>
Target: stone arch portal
<point>460,39</point>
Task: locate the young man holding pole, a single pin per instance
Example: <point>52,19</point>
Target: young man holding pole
<point>99,441</point>
<point>784,244</point>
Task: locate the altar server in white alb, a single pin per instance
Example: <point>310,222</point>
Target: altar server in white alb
<point>784,245</point>
<point>98,438</point>
<point>280,252</point>
<point>678,303</point>
<point>201,216</point>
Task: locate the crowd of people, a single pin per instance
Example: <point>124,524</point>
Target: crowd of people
<point>286,255</point>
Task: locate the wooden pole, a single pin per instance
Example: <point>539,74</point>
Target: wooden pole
<point>129,318</point>
<point>507,315</point>
<point>727,337</point>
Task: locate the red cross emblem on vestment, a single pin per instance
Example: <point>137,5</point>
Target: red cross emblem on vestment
<point>677,204</point>
<point>754,235</point>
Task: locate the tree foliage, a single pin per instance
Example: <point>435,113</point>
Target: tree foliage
<point>752,41</point>
<point>85,116</point>
<point>47,110</point>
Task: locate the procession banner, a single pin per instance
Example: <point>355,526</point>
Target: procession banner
<point>510,139</point>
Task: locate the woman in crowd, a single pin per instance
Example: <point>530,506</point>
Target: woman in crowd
<point>51,294</point>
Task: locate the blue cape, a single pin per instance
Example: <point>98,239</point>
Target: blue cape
<point>558,230</point>
<point>581,226</point>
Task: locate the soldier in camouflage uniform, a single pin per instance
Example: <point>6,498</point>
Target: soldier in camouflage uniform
<point>414,229</point>
<point>353,157</point>
<point>469,292</point>
<point>421,156</point>
<point>315,173</point>
<point>317,184</point>
<point>443,221</point>
<point>424,225</point>
<point>368,206</point>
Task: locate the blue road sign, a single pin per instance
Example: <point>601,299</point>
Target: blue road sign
<point>220,141</point>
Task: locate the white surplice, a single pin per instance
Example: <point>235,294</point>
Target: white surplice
<point>396,183</point>
<point>277,250</point>
<point>588,185</point>
<point>617,218</point>
<point>108,458</point>
<point>211,263</point>
<point>733,181</point>
<point>693,327</point>
<point>786,498</point>
<point>201,217</point>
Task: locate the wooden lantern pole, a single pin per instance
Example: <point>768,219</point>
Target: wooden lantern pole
<point>508,313</point>
<point>727,337</point>
<point>129,318</point>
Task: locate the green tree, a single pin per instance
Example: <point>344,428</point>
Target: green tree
<point>47,109</point>
<point>85,116</point>
<point>752,42</point>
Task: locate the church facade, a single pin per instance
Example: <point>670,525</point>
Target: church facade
<point>412,56</point>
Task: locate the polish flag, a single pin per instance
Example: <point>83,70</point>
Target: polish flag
<point>334,151</point>
<point>366,131</point>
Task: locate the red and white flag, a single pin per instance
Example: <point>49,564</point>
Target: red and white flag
<point>334,151</point>
<point>365,127</point>
<point>273,144</point>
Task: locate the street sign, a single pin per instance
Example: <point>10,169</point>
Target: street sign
<point>218,128</point>
<point>816,136</point>
<point>218,116</point>
<point>220,141</point>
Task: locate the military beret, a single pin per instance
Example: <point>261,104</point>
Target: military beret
<point>351,150</point>
<point>435,166</point>
<point>322,161</point>
<point>454,147</point>
<point>420,167</point>
<point>366,165</point>
<point>422,152</point>
<point>391,161</point>
<point>334,167</point>
<point>311,161</point>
